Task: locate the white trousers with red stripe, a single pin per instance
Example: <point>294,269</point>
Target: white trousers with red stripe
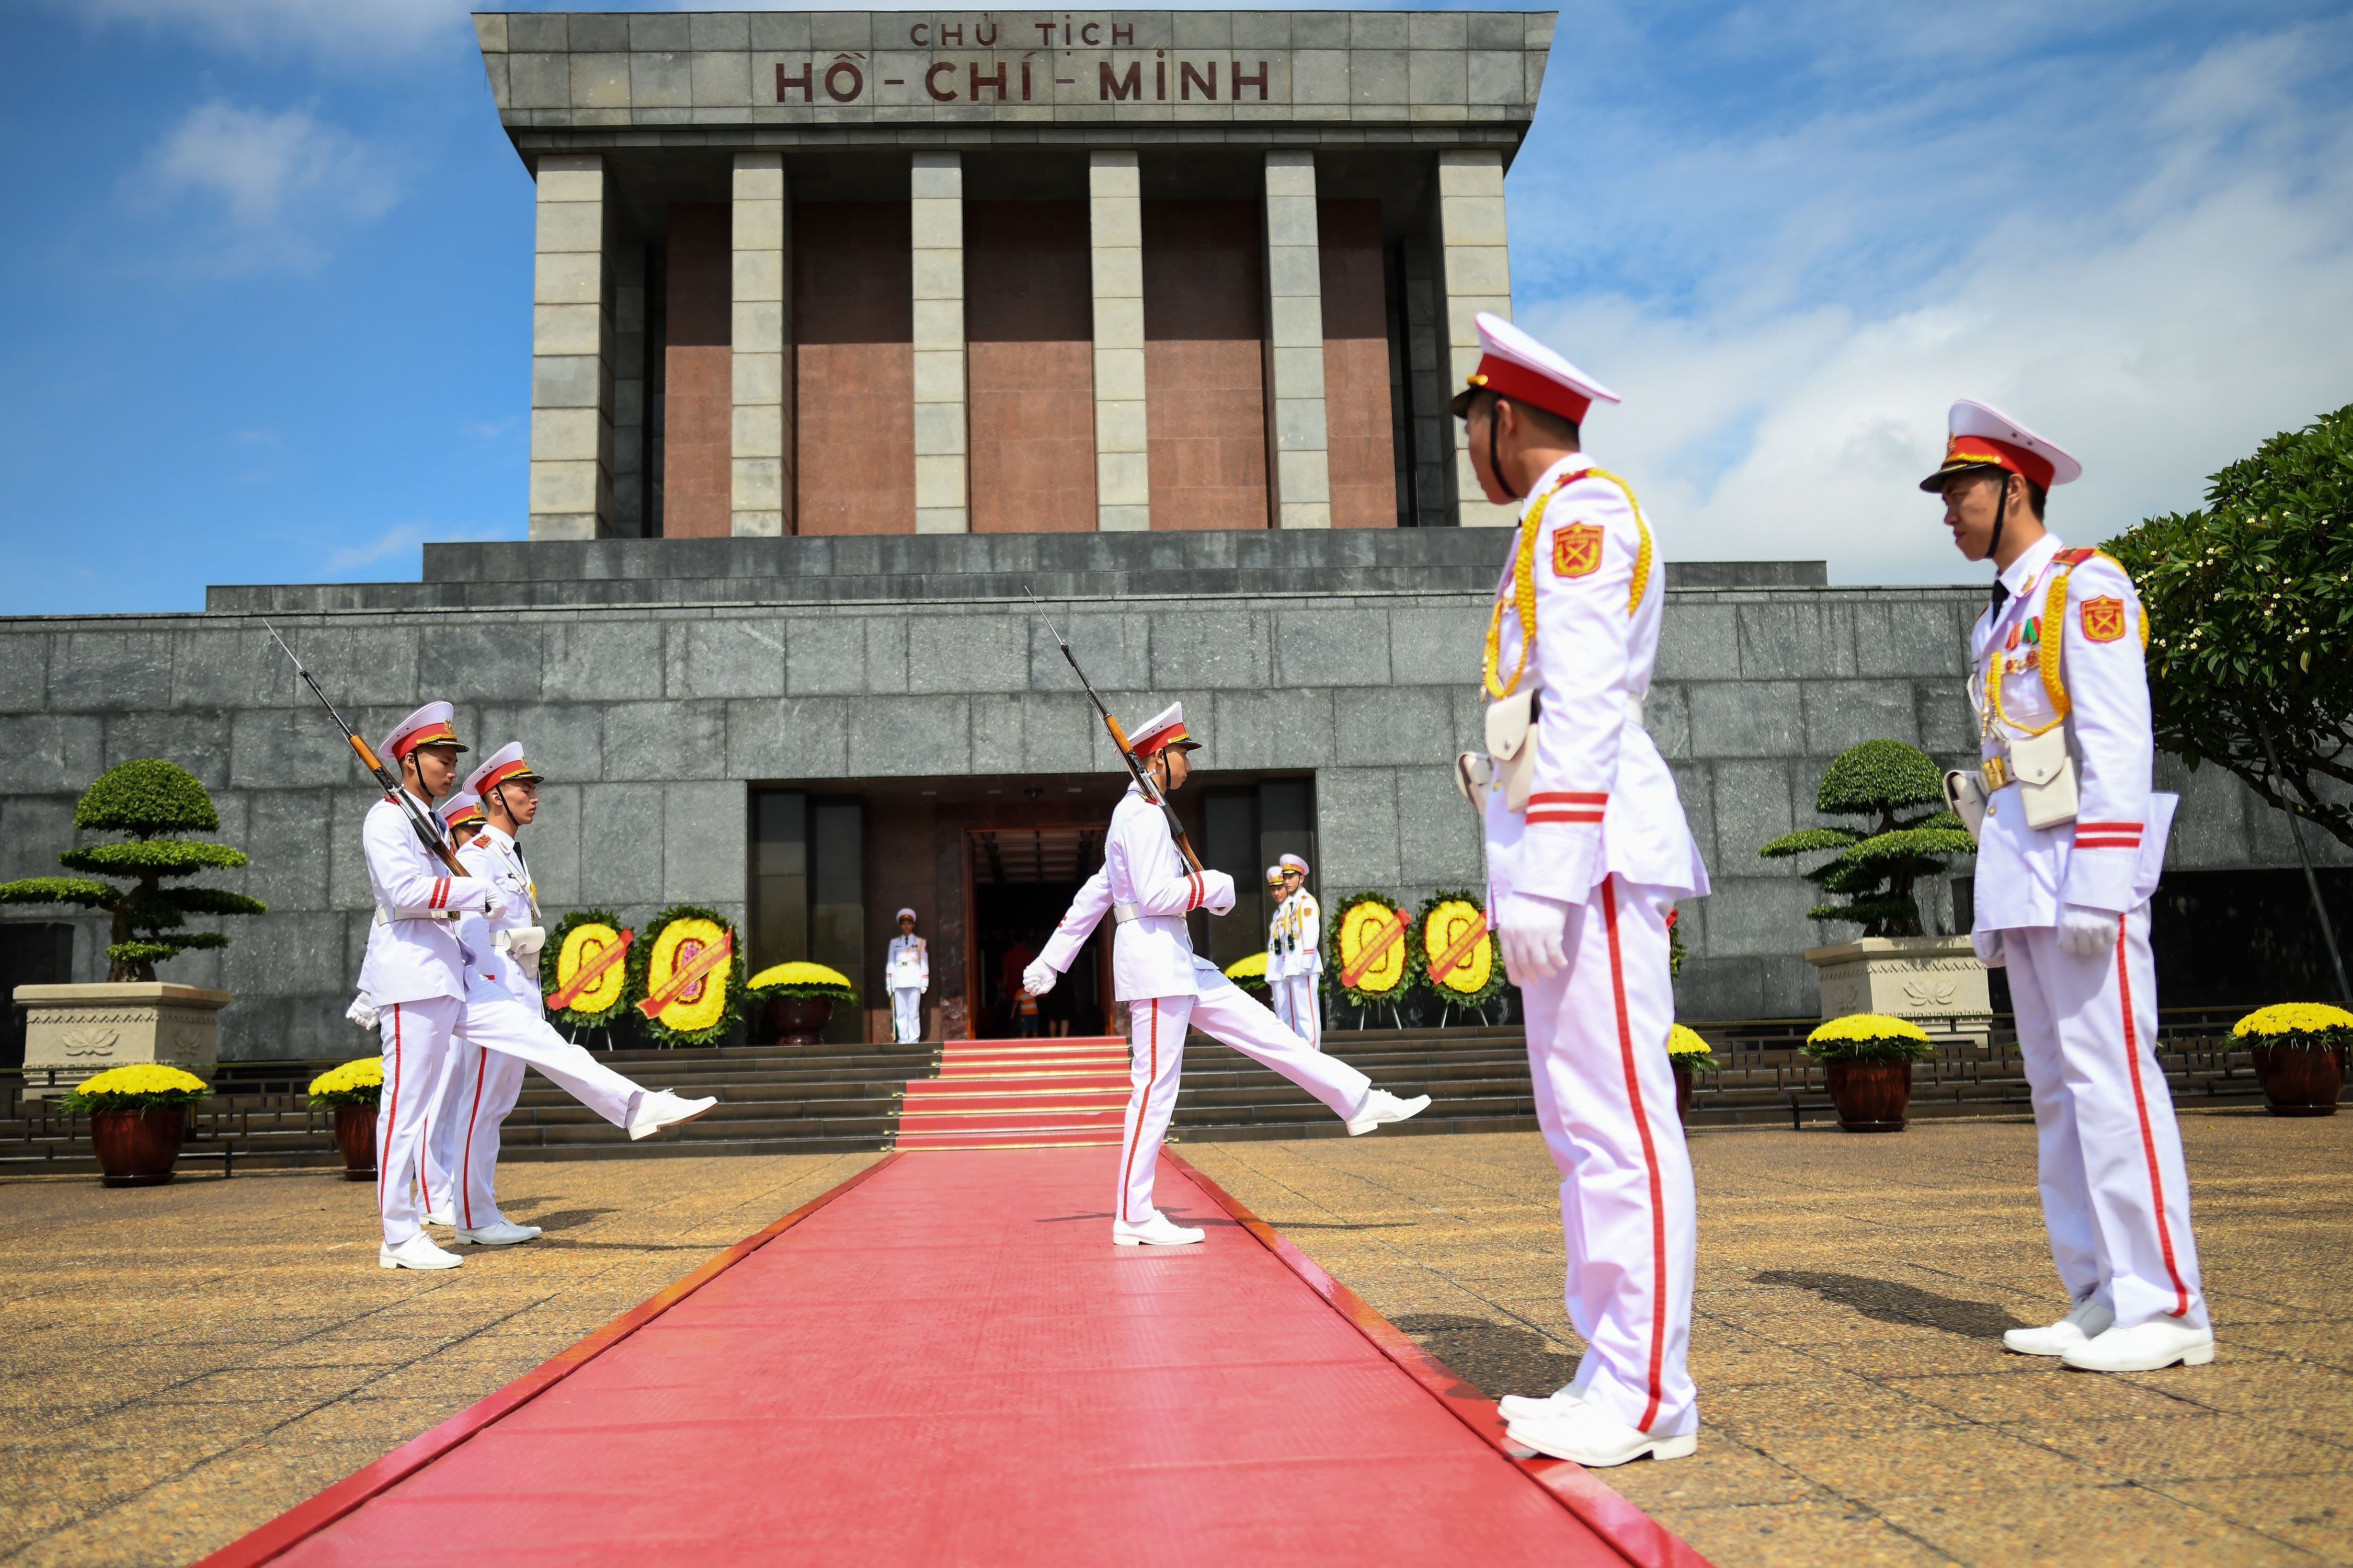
<point>1227,1015</point>
<point>1303,1013</point>
<point>1606,1101</point>
<point>417,1039</point>
<point>2115,1195</point>
<point>461,1148</point>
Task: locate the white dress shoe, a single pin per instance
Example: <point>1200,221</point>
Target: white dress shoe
<point>1157,1231</point>
<point>439,1216</point>
<point>1581,1434</point>
<point>417,1252</point>
<point>1520,1407</point>
<point>1381,1108</point>
<point>658,1109</point>
<point>498,1233</point>
<point>2086,1323</point>
<point>2144,1347</point>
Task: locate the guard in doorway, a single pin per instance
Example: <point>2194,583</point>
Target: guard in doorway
<point>909,967</point>
<point>2071,838</point>
<point>1278,998</point>
<point>1146,886</point>
<point>1587,851</point>
<point>1303,963</point>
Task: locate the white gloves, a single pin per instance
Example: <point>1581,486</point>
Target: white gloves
<point>1216,892</point>
<point>2086,933</point>
<point>1986,944</point>
<point>1040,977</point>
<point>1532,933</point>
<point>362,1011</point>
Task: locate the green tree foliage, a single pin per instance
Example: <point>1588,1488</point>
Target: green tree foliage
<point>145,800</point>
<point>2250,605</point>
<point>1890,785</point>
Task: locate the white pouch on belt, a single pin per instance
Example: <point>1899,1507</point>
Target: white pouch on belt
<point>2046,777</point>
<point>1512,746</point>
<point>1965,796</point>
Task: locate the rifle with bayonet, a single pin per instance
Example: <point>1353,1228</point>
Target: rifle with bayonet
<point>1119,738</point>
<point>427,831</point>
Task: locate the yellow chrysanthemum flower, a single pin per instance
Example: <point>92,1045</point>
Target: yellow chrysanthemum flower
<point>1250,968</point>
<point>362,1073</point>
<point>143,1077</point>
<point>1448,924</point>
<point>675,946</point>
<point>1861,1027</point>
<point>1683,1042</point>
<point>582,944</point>
<point>798,973</point>
<point>2293,1018</point>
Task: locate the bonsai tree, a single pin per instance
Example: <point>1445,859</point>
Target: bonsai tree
<point>147,801</point>
<point>2250,605</point>
<point>1891,787</point>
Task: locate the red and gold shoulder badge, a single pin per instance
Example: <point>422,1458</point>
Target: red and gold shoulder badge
<point>1576,549</point>
<point>2103,620</point>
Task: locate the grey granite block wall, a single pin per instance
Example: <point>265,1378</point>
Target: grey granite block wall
<point>651,722</point>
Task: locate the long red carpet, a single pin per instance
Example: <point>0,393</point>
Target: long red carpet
<point>949,1362</point>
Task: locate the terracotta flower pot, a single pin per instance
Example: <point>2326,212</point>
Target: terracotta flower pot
<point>1870,1096</point>
<point>138,1147</point>
<point>1683,1076</point>
<point>356,1136</point>
<point>2300,1080</point>
<point>800,1020</point>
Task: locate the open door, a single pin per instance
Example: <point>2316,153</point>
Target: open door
<point>1021,879</point>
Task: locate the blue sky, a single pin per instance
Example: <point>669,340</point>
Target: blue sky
<point>271,272</point>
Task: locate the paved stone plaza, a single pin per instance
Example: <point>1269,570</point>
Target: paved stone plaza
<point>179,1364</point>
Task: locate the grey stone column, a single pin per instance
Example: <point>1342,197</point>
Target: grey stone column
<point>571,352</point>
<point>760,496</point>
<point>1122,449</point>
<point>941,439</point>
<point>1429,444</point>
<point>1301,474</point>
<point>1475,271</point>
<point>629,261</point>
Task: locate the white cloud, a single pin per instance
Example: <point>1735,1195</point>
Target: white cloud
<point>405,541</point>
<point>2157,282</point>
<point>358,30</point>
<point>273,188</point>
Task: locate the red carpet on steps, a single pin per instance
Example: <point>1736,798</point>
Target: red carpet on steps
<point>949,1362</point>
<point>1019,1094</point>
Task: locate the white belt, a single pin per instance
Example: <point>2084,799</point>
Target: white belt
<point>386,917</point>
<point>1123,913</point>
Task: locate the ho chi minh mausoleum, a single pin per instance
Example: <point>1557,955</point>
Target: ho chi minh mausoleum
<point>847,327</point>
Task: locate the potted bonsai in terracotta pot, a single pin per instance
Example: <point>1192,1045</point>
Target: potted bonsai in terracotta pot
<point>2299,1050</point>
<point>352,1091</point>
<point>1868,1057</point>
<point>799,998</point>
<point>138,1116</point>
<point>1896,792</point>
<point>72,1031</point>
<point>1689,1056</point>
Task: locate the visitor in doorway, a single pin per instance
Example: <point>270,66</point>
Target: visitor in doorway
<point>1025,1006</point>
<point>910,969</point>
<point>1019,956</point>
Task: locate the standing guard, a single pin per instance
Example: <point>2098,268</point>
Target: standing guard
<point>2070,841</point>
<point>1278,962</point>
<point>1587,851</point>
<point>1303,965</point>
<point>909,965</point>
<point>462,818</point>
<point>1149,888</point>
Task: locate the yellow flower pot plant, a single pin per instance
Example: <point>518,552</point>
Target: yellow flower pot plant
<point>1688,1055</point>
<point>138,1116</point>
<point>798,999</point>
<point>1868,1057</point>
<point>2299,1050</point>
<point>351,1091</point>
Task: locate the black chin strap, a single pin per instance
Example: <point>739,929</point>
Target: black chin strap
<point>1993,548</point>
<point>1494,464</point>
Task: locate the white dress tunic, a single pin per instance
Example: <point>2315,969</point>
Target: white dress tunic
<point>1302,968</point>
<point>1169,989</point>
<point>909,967</point>
<point>1603,832</point>
<point>2116,1194</point>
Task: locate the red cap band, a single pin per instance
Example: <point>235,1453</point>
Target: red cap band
<point>1518,382</point>
<point>2001,454</point>
<point>431,735</point>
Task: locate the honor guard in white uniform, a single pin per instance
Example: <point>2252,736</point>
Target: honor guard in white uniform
<point>1148,888</point>
<point>462,818</point>
<point>909,967</point>
<point>1278,996</point>
<point>1303,963</point>
<point>1587,852</point>
<point>2070,841</point>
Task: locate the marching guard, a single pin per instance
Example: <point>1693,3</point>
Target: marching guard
<point>1302,946</point>
<point>1148,889</point>
<point>1587,852</point>
<point>2070,841</point>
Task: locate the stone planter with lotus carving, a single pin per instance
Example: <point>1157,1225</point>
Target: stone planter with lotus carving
<point>1935,981</point>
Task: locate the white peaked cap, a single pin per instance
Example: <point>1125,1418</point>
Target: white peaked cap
<point>1294,863</point>
<point>1163,729</point>
<point>904,915</point>
<point>460,804</point>
<point>1513,364</point>
<point>1273,874</point>
<point>1981,436</point>
<point>429,726</point>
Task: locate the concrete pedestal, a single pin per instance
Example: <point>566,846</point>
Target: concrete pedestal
<point>1935,981</point>
<point>74,1031</point>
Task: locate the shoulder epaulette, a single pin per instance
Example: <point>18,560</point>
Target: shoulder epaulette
<point>480,841</point>
<point>2054,620</point>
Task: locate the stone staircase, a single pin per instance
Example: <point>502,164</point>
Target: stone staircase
<point>836,1098</point>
